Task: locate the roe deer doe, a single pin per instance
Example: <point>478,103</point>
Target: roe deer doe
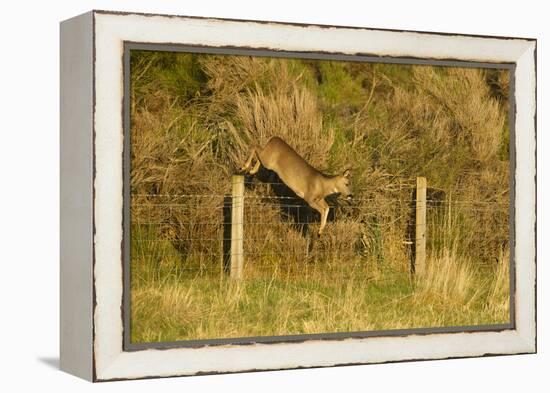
<point>307,182</point>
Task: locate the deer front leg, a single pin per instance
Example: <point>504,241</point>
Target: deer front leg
<point>322,207</point>
<point>324,215</point>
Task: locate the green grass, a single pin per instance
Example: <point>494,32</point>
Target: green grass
<point>176,298</point>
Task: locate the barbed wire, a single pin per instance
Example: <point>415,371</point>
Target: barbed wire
<point>197,224</point>
<point>405,182</point>
<point>229,196</point>
<point>193,256</point>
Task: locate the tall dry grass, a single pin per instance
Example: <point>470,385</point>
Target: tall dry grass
<point>292,115</point>
<point>498,299</point>
<point>466,96</point>
<point>194,118</point>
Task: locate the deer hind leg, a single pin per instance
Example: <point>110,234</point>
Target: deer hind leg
<point>256,168</point>
<point>248,162</point>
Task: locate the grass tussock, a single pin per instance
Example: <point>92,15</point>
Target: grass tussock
<point>498,298</point>
<point>447,277</point>
<point>194,119</point>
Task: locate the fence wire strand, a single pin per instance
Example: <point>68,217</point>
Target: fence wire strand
<point>196,228</point>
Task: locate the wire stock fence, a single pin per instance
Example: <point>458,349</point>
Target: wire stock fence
<point>239,230</point>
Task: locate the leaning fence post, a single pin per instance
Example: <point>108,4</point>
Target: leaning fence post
<point>420,232</point>
<point>237,216</point>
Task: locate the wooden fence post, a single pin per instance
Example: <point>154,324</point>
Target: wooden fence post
<point>226,235</point>
<point>420,232</point>
<point>237,216</point>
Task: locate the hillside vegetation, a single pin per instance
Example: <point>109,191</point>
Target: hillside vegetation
<point>193,120</point>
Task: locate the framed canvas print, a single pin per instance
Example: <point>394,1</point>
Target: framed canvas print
<point>245,195</point>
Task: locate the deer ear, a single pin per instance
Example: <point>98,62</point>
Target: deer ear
<point>347,173</point>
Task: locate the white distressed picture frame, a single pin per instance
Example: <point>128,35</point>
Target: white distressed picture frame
<point>92,141</point>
